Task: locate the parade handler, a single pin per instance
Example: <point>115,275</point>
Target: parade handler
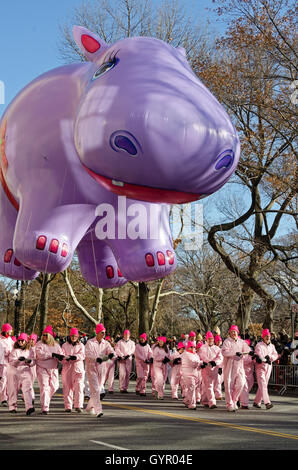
<point>265,354</point>
<point>97,352</point>
<point>233,350</point>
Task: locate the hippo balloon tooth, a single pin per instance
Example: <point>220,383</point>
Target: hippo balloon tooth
<point>132,122</point>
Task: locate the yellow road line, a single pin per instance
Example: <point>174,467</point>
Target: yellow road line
<point>205,421</point>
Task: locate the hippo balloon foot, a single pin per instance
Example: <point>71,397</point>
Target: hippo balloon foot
<point>148,264</point>
<point>98,264</point>
<point>10,265</point>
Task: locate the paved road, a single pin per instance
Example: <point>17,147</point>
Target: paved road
<point>137,423</point>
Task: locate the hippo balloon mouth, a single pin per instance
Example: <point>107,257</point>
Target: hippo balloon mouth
<point>144,193</point>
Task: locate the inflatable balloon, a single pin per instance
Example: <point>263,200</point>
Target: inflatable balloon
<point>92,144</point>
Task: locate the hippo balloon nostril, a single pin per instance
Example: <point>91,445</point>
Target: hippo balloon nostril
<point>124,141</point>
<point>225,160</point>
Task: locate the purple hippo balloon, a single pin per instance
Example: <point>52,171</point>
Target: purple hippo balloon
<point>134,121</point>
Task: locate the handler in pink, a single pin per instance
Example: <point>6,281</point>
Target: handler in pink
<point>249,378</point>
<point>219,381</point>
<point>161,357</point>
<point>110,369</point>
<point>7,345</point>
<point>73,372</point>
<point>211,358</point>
<point>22,359</point>
<point>265,354</point>
<point>176,377</point>
<point>143,358</point>
<point>32,340</point>
<point>48,353</point>
<point>124,350</point>
<point>233,349</point>
<point>97,352</point>
<point>189,370</point>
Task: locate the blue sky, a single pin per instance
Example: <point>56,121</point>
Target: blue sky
<point>29,32</point>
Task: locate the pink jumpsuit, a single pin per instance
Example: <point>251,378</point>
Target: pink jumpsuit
<point>95,371</point>
<point>124,348</point>
<point>142,353</point>
<point>190,363</point>
<point>159,370</point>
<point>263,371</point>
<point>249,380</point>
<point>210,373</point>
<point>47,372</point>
<point>233,369</point>
<point>73,374</point>
<point>23,377</point>
<point>7,344</point>
<point>175,375</point>
<point>110,373</point>
<point>1,361</point>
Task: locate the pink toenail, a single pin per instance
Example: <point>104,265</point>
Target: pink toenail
<point>64,250</point>
<point>54,246</point>
<point>149,259</point>
<point>8,256</point>
<point>110,272</point>
<point>119,273</point>
<point>161,258</point>
<point>170,257</point>
<point>41,242</point>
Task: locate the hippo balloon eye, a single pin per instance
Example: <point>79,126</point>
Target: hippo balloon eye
<point>105,67</point>
<point>225,160</point>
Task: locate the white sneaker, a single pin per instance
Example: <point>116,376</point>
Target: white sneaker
<point>92,411</point>
<point>231,409</point>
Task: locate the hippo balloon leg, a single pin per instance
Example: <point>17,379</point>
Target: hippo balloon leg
<point>97,263</point>
<point>10,266</point>
<point>151,255</point>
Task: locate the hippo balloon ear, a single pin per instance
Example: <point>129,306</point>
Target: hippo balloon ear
<point>89,43</point>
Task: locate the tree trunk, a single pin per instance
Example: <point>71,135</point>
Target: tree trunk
<point>19,302</point>
<point>30,325</point>
<point>44,302</point>
<point>144,310</point>
<point>155,305</point>
<point>244,307</point>
<point>270,308</point>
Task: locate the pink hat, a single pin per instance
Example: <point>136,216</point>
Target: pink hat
<point>99,328</point>
<point>108,338</point>
<point>191,344</point>
<point>74,331</point>
<point>217,338</point>
<point>6,327</point>
<point>266,332</point>
<point>209,335</point>
<point>48,329</point>
<point>199,344</point>
<point>234,328</point>
<point>34,337</point>
<point>192,334</point>
<point>126,332</point>
<point>162,338</point>
<point>23,336</point>
<point>247,341</point>
<point>180,345</point>
<point>14,338</point>
<point>143,335</point>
